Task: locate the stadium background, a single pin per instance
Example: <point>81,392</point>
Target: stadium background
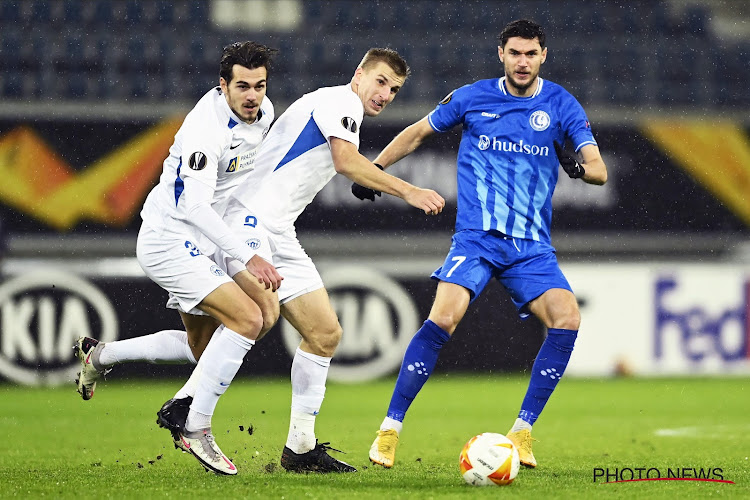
<point>92,92</point>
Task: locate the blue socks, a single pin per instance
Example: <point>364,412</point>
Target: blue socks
<point>422,354</point>
<point>548,368</point>
<point>419,361</point>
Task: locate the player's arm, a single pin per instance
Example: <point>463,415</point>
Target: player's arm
<point>591,170</point>
<point>405,143</point>
<point>402,145</point>
<point>197,199</point>
<point>596,170</point>
<point>348,161</point>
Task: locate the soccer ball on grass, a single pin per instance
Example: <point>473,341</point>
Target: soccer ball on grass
<point>489,459</point>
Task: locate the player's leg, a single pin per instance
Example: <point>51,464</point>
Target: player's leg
<point>222,359</point>
<point>173,413</point>
<point>420,358</point>
<point>266,299</point>
<point>312,315</point>
<point>164,347</point>
<point>463,275</point>
<point>537,286</point>
<point>558,310</point>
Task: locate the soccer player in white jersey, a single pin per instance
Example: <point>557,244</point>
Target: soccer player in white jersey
<point>214,149</point>
<point>315,138</point>
<point>507,168</point>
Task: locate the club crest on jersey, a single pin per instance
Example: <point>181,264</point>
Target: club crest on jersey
<point>197,161</point>
<point>349,124</point>
<point>216,270</point>
<point>539,120</point>
<point>447,98</point>
<point>253,243</point>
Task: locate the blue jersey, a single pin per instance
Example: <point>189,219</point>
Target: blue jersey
<point>506,167</point>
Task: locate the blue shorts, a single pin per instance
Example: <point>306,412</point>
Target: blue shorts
<point>526,268</point>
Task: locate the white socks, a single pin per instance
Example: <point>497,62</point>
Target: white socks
<point>520,425</point>
<point>389,423</point>
<point>166,346</point>
<point>309,373</point>
<point>192,383</point>
<point>222,359</point>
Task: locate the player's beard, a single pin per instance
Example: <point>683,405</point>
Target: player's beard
<point>520,88</point>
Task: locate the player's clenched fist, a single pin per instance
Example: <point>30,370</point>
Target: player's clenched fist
<point>426,199</point>
<point>264,272</point>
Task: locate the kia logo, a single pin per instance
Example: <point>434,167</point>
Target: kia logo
<point>41,316</point>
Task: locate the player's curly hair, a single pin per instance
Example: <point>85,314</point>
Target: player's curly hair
<point>248,54</point>
<point>523,28</point>
<point>388,56</point>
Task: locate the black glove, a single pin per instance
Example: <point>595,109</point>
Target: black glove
<point>569,162</point>
<point>364,193</point>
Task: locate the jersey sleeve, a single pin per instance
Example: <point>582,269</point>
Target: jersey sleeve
<point>340,115</point>
<point>576,123</point>
<point>449,112</point>
<point>202,145</point>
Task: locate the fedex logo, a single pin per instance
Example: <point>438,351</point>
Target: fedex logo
<point>698,331</point>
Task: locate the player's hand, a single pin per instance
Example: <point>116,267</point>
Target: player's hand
<point>425,199</point>
<point>264,272</point>
<point>569,162</point>
<point>365,193</point>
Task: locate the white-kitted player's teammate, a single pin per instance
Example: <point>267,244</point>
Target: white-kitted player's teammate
<point>214,149</point>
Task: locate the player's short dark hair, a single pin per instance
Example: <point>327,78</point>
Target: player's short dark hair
<point>248,54</point>
<point>388,56</point>
<point>523,28</point>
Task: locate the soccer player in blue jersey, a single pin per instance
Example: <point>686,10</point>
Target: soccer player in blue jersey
<point>508,162</point>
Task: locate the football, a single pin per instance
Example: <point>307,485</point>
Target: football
<point>489,459</point>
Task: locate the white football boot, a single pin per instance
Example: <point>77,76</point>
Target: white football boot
<point>202,445</point>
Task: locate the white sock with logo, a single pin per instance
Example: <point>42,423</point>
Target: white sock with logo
<point>188,390</point>
<point>166,346</point>
<point>222,359</point>
<point>309,373</point>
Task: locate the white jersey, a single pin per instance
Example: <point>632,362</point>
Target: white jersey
<point>294,162</point>
<point>213,146</point>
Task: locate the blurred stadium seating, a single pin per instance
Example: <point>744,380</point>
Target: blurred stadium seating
<point>151,50</point>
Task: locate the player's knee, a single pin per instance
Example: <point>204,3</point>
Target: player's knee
<point>570,319</point>
<point>247,323</point>
<point>270,312</point>
<point>325,341</point>
<point>445,320</point>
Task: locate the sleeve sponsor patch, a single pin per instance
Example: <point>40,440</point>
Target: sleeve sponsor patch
<point>349,124</point>
<point>197,161</point>
<point>447,98</point>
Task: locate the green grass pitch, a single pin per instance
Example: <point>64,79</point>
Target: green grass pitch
<point>57,446</point>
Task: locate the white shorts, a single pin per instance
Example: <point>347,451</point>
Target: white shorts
<point>284,251</point>
<point>172,260</point>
